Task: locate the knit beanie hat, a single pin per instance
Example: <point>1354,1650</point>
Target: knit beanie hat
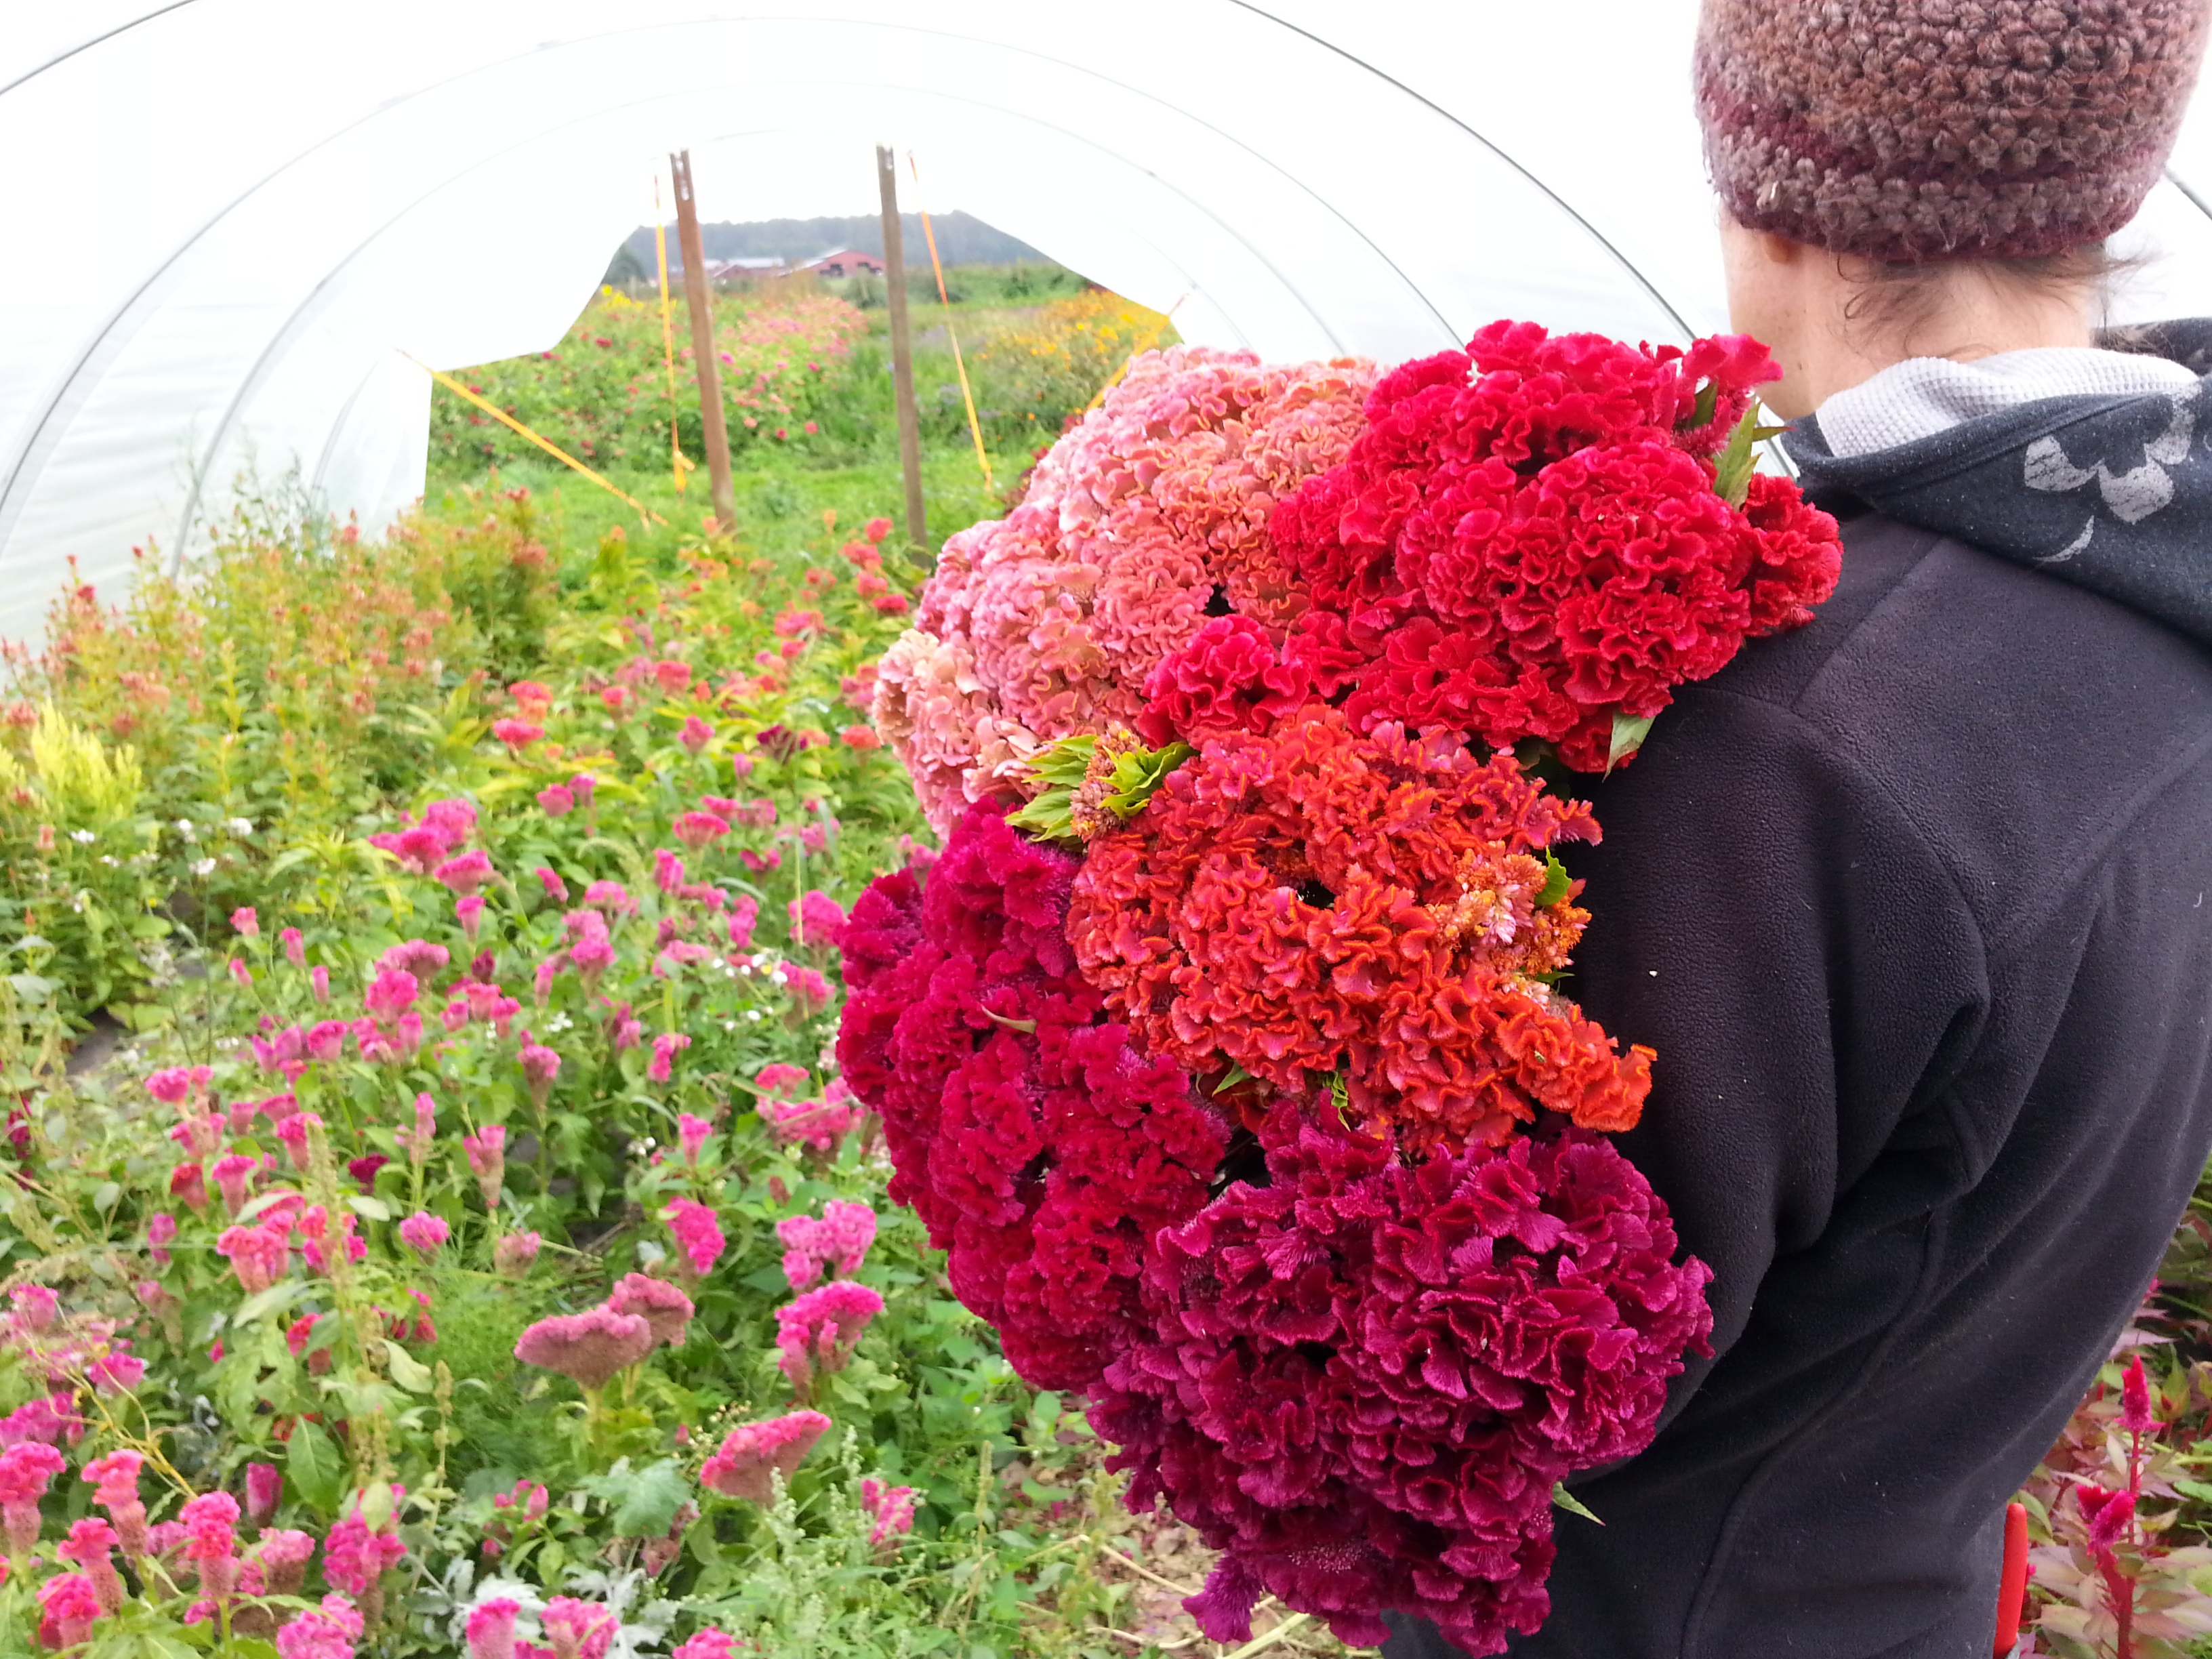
<point>1919,129</point>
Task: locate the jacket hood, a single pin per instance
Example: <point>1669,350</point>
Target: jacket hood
<point>2110,492</point>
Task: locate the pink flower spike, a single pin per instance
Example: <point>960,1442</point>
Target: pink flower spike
<point>354,1556</point>
<point>556,888</point>
<point>742,915</point>
<point>188,1185</point>
<point>293,1132</point>
<point>2136,1414</point>
<point>609,897</point>
<point>889,1508</point>
<point>424,1233</point>
<point>295,952</point>
<point>469,911</point>
<point>35,1309</point>
<point>557,801</point>
<point>665,1048</point>
<point>320,978</point>
<point>540,1066</point>
<point>741,1467</point>
<point>245,923</point>
<point>817,919</point>
<point>696,735</point>
<point>487,1150</point>
<point>516,734</point>
<point>692,1131</point>
<point>819,1332</point>
<point>391,993</point>
<point>581,786</point>
<point>239,973</point>
<point>697,829</point>
<point>160,1232</point>
<point>698,1234</point>
<point>265,1490</point>
<point>578,1630</point>
<point>69,1607</point>
<point>259,1255</point>
<point>230,1174</point>
<point>591,1347</point>
<point>708,1644</point>
<point>512,1254</point>
<point>329,1632</point>
<point>464,874</point>
<point>491,1629</point>
<point>667,870</point>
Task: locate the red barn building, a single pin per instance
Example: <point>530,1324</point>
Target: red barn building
<point>844,262</point>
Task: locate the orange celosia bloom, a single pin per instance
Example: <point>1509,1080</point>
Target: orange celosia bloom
<point>1312,902</point>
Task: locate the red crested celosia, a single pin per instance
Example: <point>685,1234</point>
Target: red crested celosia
<point>1362,1380</point>
<point>741,1467</point>
<point>1040,1148</point>
<point>1145,516</point>
<point>819,1332</point>
<point>1312,902</point>
<point>1526,542</point>
<point>590,1346</point>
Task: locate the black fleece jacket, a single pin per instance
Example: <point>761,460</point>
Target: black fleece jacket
<point>1914,904</point>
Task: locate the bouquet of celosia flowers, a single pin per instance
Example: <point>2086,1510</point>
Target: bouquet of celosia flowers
<point>1219,1048</point>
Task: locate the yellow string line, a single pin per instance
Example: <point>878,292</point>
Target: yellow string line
<point>667,335</point>
<point>975,427</point>
<point>548,447</point>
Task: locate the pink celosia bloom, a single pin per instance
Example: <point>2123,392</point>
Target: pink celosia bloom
<point>808,989</point>
<point>469,911</point>
<point>392,993</point>
<point>819,1332</point>
<point>211,1523</point>
<point>659,1304</point>
<point>487,1150</point>
<point>540,1066</point>
<point>741,767</point>
<point>578,1630</point>
<point>890,1510</point>
<point>491,1629</point>
<point>696,735</point>
<point>624,1031</point>
<point>283,1554</point>
<point>160,1232</point>
<point>315,1225</point>
<point>230,1174</point>
<point>354,1558</point>
<point>264,1488</point>
<point>466,873</point>
<point>295,951</point>
<point>188,1184</point>
<point>293,1132</point>
<point>581,786</point>
<point>860,737</point>
<point>781,1080</point>
<point>114,1480</point>
<point>69,1607</point>
<point>815,918</point>
<point>740,1468</point>
<point>239,973</point>
<point>245,923</point>
<point>556,888</point>
<point>590,1346</point>
<point>512,1254</point>
<point>320,978</point>
<point>697,1234</point>
<point>667,870</point>
<point>90,1546</point>
<point>541,982</point>
<point>424,1233</point>
<point>557,801</point>
<point>708,1644</point>
<point>665,1048</point>
<point>840,1239</point>
<point>418,956</point>
<point>814,838</point>
<point>33,1309</point>
<point>695,830</point>
<point>611,897</point>
<point>417,1141</point>
<point>179,1084</point>
<point>115,1372</point>
<point>326,1039</point>
<point>743,915</point>
<point>329,1632</point>
<point>156,1298</point>
<point>516,734</point>
<point>692,1131</point>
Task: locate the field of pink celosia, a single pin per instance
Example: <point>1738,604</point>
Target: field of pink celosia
<point>468,1248</point>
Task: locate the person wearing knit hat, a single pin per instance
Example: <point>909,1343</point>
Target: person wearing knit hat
<point>1916,903</point>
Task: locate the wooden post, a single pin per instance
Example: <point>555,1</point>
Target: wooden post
<point>909,419</point>
<point>709,366</point>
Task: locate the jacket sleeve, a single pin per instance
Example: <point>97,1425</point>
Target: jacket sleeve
<point>1768,920</point>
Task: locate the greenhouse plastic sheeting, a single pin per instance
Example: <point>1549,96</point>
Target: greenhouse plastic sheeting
<point>233,222</point>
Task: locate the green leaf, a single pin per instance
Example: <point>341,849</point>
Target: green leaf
<point>105,1196</point>
<point>645,1500</point>
<point>1562,1499</point>
<point>2198,1490</point>
<point>1740,459</point>
<point>1557,881</point>
<point>369,1209</point>
<point>312,1464</point>
<point>1235,1075</point>
<point>275,1299</point>
<point>1628,735</point>
<point>409,1372</point>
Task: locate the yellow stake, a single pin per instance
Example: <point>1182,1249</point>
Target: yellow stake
<point>975,427</point>
<point>547,444</point>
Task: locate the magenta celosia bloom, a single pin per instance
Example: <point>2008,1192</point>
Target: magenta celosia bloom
<point>512,1254</point>
<point>742,915</point>
<point>264,1488</point>
<point>245,923</point>
<point>611,897</point>
<point>540,1066</point>
<point>294,1132</point>
<point>327,1633</point>
<point>781,1080</point>
<point>808,989</point>
<point>390,994</point>
<point>282,1553</point>
<point>692,1131</point>
<point>491,1629</point>
<point>819,1332</point>
<point>516,734</point>
<point>557,801</point>
<point>469,911</point>
<point>295,951</point>
<point>709,1643</point>
<point>464,874</point>
<point>698,1235</point>
<point>115,1372</point>
<point>230,1174</point>
<point>697,829</point>
<point>179,1084</point>
<point>25,1469</point>
<point>188,1185</point>
<point>890,1510</point>
<point>487,1150</point>
<point>578,1630</point>
<point>665,1048</point>
<point>1150,510</point>
<point>667,870</point>
<point>556,888</point>
<point>662,1305</point>
<point>69,1607</point>
<point>354,1557</point>
<point>741,1467</point>
<point>33,1309</point>
<point>819,1124</point>
<point>590,1346</point>
<point>211,1523</point>
<point>697,733</point>
<point>319,978</point>
<point>90,1548</point>
<point>817,919</point>
<point>114,1480</point>
<point>839,1239</point>
<point>424,1233</point>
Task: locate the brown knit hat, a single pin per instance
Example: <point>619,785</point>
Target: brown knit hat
<point>1916,129</point>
